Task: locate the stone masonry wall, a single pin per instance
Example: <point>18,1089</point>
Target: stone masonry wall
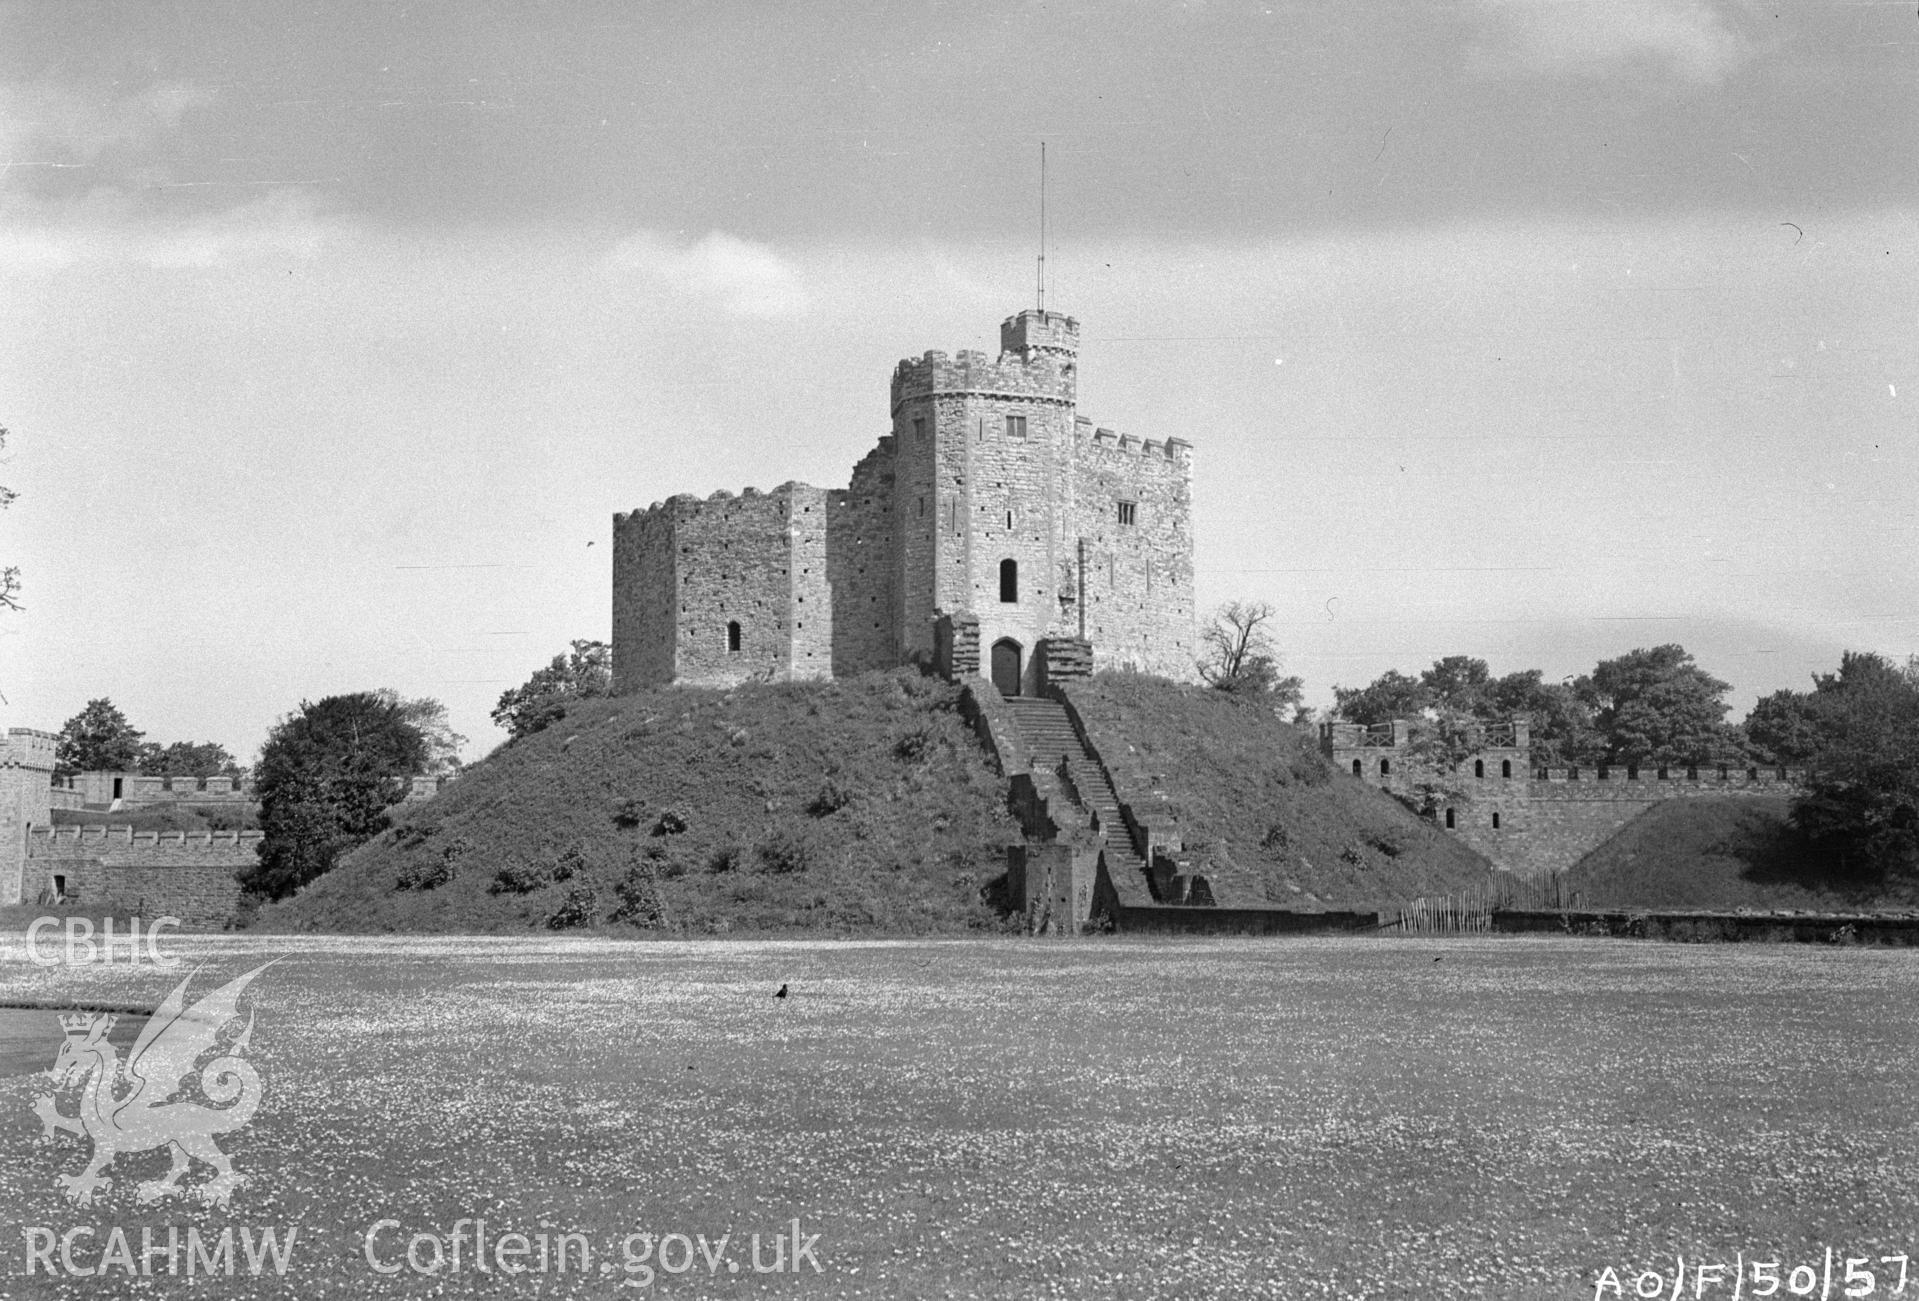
<point>992,493</point>
<point>862,552</point>
<point>148,874</point>
<point>645,587</point>
<point>735,567</point>
<point>1139,575</point>
<point>1537,821</point>
<point>812,604</point>
<point>26,771</point>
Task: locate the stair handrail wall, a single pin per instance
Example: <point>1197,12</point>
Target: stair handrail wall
<point>1136,834</point>
<point>1045,811</point>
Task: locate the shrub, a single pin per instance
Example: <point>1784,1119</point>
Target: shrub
<point>518,878</point>
<point>831,798</point>
<point>783,852</point>
<point>429,874</point>
<point>639,898</point>
<point>629,812</point>
<point>915,745</point>
<point>568,864</point>
<point>671,823</point>
<point>726,858</point>
<point>575,910</point>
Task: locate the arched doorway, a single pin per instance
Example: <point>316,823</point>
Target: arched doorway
<point>1006,666</point>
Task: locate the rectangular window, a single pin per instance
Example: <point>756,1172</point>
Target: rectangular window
<point>1128,511</point>
<point>1016,427</point>
<point>919,429</point>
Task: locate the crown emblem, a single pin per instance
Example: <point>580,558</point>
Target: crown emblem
<point>81,1022</point>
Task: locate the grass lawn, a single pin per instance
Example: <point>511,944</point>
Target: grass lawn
<point>1502,1117</point>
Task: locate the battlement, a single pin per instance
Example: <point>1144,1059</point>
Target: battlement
<point>684,505</point>
<point>1492,738</point>
<point>132,790</point>
<point>1034,332</point>
<point>1177,450</point>
<point>44,842</point>
<point>1038,377</point>
<point>26,747</point>
<point>1724,775</point>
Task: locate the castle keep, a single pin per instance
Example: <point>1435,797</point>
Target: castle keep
<point>992,505</point>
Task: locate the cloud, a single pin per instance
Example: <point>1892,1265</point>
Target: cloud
<point>743,278</point>
<point>108,227</point>
<point>1692,39</point>
<point>48,122</point>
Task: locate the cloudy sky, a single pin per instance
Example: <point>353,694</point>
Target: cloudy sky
<point>331,336</point>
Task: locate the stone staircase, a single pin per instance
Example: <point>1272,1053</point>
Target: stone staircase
<point>1049,737</point>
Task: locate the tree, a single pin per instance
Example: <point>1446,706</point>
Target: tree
<point>1658,707</point>
<point>1458,682</point>
<point>187,759</point>
<point>1390,695</point>
<point>585,673</point>
<point>429,716</point>
<point>1862,795</point>
<point>98,739</point>
<point>1240,656</point>
<point>1560,723</point>
<point>1784,728</point>
<point>325,779</point>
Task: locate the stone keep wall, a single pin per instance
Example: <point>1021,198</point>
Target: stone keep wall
<point>987,466</point>
<point>686,570</point>
<point>646,581</point>
<point>1138,576</point>
<point>862,565</point>
<point>991,481</point>
<point>148,874</point>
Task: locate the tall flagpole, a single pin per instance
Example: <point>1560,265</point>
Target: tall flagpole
<point>1040,273</point>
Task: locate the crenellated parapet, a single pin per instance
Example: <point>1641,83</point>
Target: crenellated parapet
<point>684,506</point>
<point>1041,377</point>
<point>70,842</point>
<point>1100,438</point>
<point>27,747</point>
<point>1631,781</point>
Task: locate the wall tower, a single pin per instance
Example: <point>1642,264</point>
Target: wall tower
<point>26,781</point>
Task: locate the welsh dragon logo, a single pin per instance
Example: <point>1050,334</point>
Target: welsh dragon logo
<point>133,1108</point>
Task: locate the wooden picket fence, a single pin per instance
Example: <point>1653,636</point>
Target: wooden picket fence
<point>1471,911</point>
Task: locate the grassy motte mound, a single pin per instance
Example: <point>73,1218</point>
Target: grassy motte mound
<point>860,804</point>
<point>1264,816</point>
<point>1724,852</point>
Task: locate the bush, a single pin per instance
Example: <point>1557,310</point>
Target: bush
<point>629,812</point>
<point>783,852</point>
<point>518,878</point>
<point>915,745</point>
<point>831,798</point>
<point>576,910</point>
<point>726,858</point>
<point>671,823</point>
<point>639,898</point>
<point>425,874</point>
<point>568,865</point>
